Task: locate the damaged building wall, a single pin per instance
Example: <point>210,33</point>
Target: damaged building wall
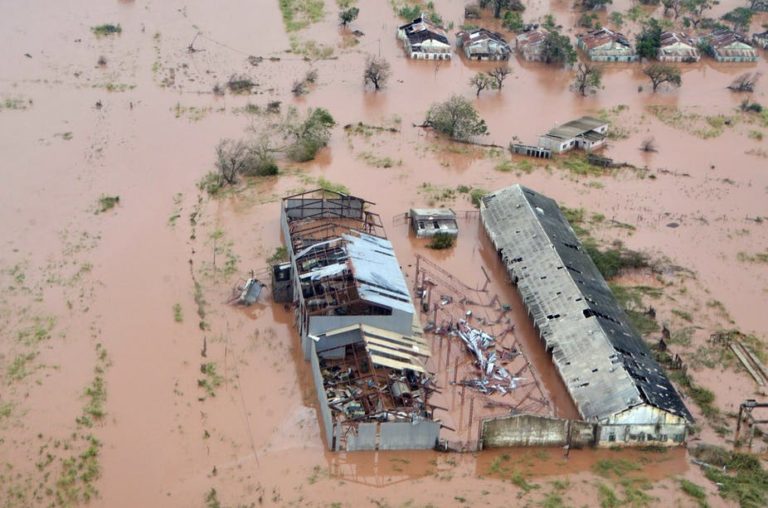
<point>534,430</point>
<point>643,423</point>
<point>322,399</point>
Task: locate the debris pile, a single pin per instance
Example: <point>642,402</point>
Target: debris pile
<point>493,377</point>
<point>385,396</point>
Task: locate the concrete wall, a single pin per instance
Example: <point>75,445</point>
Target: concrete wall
<point>325,411</point>
<point>422,435</point>
<point>633,427</point>
<point>535,430</point>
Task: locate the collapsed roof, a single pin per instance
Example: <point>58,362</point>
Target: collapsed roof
<point>602,360</point>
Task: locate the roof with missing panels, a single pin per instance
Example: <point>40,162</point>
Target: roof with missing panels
<point>602,360</point>
<point>420,30</point>
<point>603,36</point>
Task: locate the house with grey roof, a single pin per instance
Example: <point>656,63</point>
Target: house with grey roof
<point>586,133</point>
<point>609,372</point>
<point>357,324</point>
<point>482,44</point>
<point>428,222</point>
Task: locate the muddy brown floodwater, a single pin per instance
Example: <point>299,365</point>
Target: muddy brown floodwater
<point>126,380</point>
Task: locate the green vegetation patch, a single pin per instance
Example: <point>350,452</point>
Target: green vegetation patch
<point>695,491</point>
<point>441,241</point>
<point>758,257</point>
<point>106,203</point>
<point>106,29</point>
<point>20,367</point>
<point>740,477</point>
<point>298,14</point>
<point>701,126</point>
<point>210,380</point>
<point>311,50</point>
<point>15,103</point>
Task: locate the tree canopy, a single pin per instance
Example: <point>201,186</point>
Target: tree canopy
<point>649,39</point>
<point>558,49</point>
<point>662,73</point>
<point>456,118</point>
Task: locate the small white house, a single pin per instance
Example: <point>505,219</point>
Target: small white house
<point>427,222</point>
<point>423,40</point>
<point>586,133</point>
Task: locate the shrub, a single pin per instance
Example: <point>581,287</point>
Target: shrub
<point>106,29</point>
<point>441,241</point>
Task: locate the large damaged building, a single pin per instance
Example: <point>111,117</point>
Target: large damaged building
<point>610,373</point>
<point>357,324</point>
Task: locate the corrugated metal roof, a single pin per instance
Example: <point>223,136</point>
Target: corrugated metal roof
<point>377,272</point>
<point>603,361</point>
<point>576,127</point>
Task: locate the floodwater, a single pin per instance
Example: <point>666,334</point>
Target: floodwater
<point>144,127</point>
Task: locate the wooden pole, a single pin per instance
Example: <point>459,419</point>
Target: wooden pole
<point>455,370</point>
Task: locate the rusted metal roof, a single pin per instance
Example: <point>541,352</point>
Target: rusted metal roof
<point>603,36</point>
<point>603,361</point>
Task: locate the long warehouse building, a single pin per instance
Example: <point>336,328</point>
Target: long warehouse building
<point>607,368</point>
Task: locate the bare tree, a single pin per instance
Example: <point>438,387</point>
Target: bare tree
<point>588,77</point>
<point>299,88</point>
<point>745,83</point>
<point>672,5</point>
<point>232,158</point>
<point>662,73</point>
<point>376,72</point>
<point>481,81</point>
<point>499,74</point>
<point>648,145</point>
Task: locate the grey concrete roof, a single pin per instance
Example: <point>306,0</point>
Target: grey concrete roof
<point>576,127</point>
<point>602,360</point>
<point>432,213</point>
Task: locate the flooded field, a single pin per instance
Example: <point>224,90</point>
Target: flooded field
<point>127,380</point>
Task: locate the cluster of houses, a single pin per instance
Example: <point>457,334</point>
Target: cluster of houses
<point>425,40</point>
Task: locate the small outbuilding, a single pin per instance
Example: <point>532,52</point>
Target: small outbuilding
<point>605,45</point>
<point>482,44</point>
<point>729,46</point>
<point>423,40</point>
<point>427,222</point>
<point>586,133</point>
<point>677,47</point>
<point>760,39</point>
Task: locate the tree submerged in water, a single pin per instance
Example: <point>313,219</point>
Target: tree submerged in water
<point>456,118</point>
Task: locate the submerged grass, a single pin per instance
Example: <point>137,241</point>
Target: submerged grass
<point>695,491</point>
<point>701,126</point>
<point>298,14</point>
<point>740,477</point>
<point>106,29</point>
<point>210,380</point>
<point>106,203</point>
